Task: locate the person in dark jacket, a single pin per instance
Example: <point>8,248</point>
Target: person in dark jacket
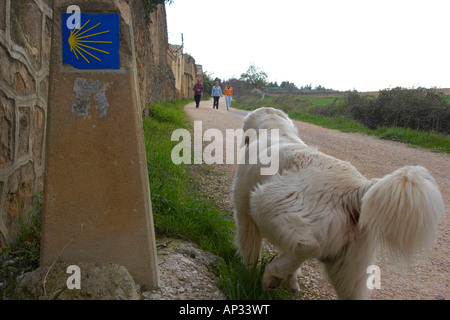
<point>198,91</point>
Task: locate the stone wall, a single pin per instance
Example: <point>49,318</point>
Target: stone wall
<point>25,44</point>
<point>25,33</point>
<point>190,78</point>
<point>175,59</point>
<point>156,79</point>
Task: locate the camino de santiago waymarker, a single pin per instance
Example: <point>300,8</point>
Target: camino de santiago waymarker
<point>91,41</point>
<point>96,192</point>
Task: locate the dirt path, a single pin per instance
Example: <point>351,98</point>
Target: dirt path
<point>428,278</point>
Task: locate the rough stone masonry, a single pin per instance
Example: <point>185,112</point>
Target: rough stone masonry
<point>25,34</point>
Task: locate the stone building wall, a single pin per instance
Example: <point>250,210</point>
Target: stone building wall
<point>25,44</point>
<point>190,71</point>
<point>175,59</point>
<point>156,80</point>
<point>185,71</point>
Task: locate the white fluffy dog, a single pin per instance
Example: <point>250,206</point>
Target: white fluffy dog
<point>317,206</point>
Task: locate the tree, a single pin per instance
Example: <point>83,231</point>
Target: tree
<point>287,83</point>
<point>306,87</point>
<point>151,5</point>
<point>208,83</point>
<point>254,76</point>
<point>290,88</point>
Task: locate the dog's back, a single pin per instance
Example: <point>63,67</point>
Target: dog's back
<point>323,193</point>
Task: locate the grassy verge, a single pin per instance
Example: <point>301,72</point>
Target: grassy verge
<point>176,208</point>
<point>179,209</point>
<point>22,254</point>
<point>428,140</point>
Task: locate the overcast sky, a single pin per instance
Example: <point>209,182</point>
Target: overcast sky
<point>365,45</point>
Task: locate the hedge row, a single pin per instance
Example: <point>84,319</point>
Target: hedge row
<point>417,109</point>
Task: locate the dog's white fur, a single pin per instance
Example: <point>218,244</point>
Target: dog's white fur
<point>317,206</point>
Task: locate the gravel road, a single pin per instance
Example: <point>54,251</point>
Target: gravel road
<point>429,277</point>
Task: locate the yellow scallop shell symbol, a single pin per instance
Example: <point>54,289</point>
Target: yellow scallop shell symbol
<point>78,39</point>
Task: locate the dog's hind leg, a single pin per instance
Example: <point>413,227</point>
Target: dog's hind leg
<point>248,239</point>
<point>286,265</point>
<point>347,272</point>
<point>284,227</point>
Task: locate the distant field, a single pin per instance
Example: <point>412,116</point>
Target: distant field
<point>324,100</point>
<point>316,100</point>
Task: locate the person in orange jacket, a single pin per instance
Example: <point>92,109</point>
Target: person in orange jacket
<point>228,92</point>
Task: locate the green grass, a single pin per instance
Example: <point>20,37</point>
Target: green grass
<point>242,283</point>
<point>176,210</point>
<point>324,100</point>
<point>22,254</point>
<point>428,140</point>
<point>180,210</point>
<point>338,123</point>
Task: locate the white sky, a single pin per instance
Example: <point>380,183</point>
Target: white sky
<point>365,45</point>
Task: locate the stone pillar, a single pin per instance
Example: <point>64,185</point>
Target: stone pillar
<point>96,191</point>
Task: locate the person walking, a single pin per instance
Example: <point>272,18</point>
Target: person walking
<point>228,92</point>
<point>198,91</point>
<point>216,94</point>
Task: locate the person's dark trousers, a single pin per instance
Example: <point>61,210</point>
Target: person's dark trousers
<point>216,102</point>
<point>197,100</point>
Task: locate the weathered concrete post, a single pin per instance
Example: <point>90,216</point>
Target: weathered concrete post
<point>96,194</point>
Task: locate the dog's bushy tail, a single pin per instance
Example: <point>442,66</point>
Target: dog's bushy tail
<point>404,209</point>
